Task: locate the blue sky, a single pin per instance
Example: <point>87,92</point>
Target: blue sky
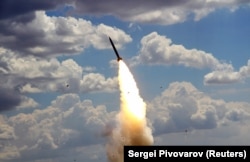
<point>191,61</point>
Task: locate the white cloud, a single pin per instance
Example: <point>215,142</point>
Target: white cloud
<point>166,16</point>
<point>221,77</point>
<point>99,39</point>
<point>52,75</point>
<point>97,82</point>
<point>27,102</point>
<point>6,132</point>
<point>47,36</point>
<point>9,153</point>
<point>182,107</point>
<point>28,88</point>
<point>159,50</point>
<point>245,70</point>
<point>202,12</point>
<point>67,123</point>
<point>160,12</point>
<point>224,76</point>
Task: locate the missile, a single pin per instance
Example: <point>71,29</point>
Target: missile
<point>117,54</point>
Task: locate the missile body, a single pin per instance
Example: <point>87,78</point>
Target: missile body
<point>117,54</point>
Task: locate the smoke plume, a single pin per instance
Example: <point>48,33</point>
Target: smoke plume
<point>132,126</point>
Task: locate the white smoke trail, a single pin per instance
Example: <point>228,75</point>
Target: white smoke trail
<point>132,124</point>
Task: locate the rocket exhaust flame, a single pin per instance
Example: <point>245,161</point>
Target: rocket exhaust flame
<point>132,126</point>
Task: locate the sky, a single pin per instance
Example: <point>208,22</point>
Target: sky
<point>59,91</point>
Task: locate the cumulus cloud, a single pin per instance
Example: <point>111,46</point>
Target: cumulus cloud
<point>183,107</point>
<point>50,75</point>
<point>97,82</point>
<point>160,50</point>
<point>228,75</point>
<point>70,125</point>
<point>29,74</point>
<point>27,102</point>
<point>221,77</point>
<point>67,123</point>
<point>157,49</point>
<point>6,131</point>
<point>7,134</point>
<point>46,36</point>
<point>31,40</point>
<point>9,153</point>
